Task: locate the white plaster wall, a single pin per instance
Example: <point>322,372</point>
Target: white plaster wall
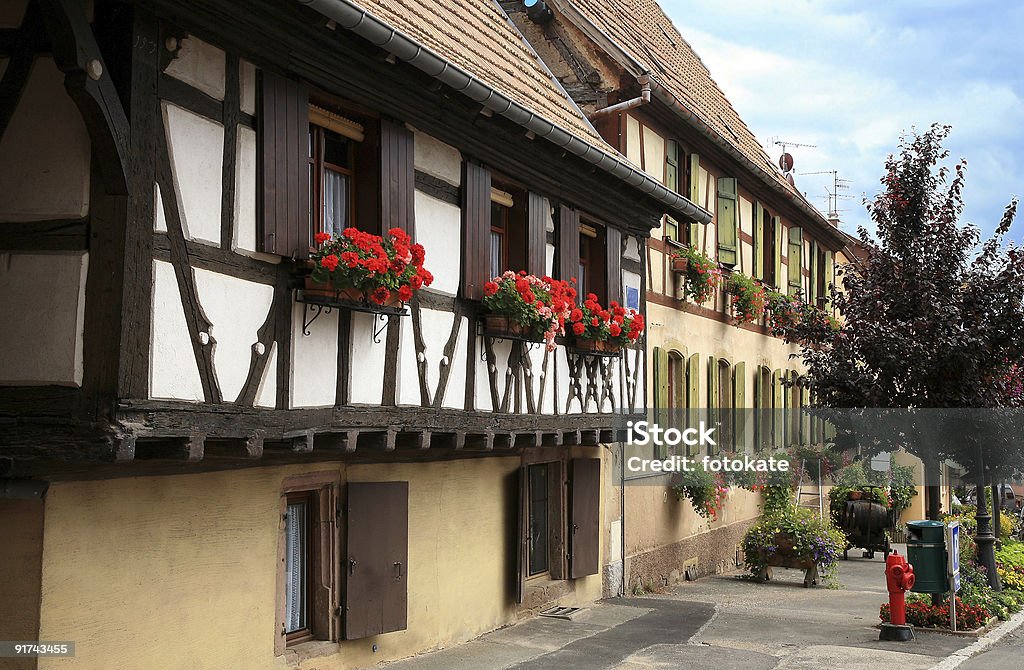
<point>439,230</point>
<point>245,190</point>
<point>562,389</point>
<point>549,259</point>
<point>247,86</point>
<point>201,65</point>
<point>196,147</point>
<point>548,400</point>
<point>42,298</point>
<point>266,394</point>
<point>633,141</point>
<point>314,379</point>
<point>435,327</point>
<point>483,384</point>
<point>408,391</point>
<point>437,158</point>
<point>236,309</point>
<point>173,373</point>
<point>44,153</point>
<point>654,155</point>
<point>367,381</point>
<point>455,395</point>
<point>160,221</point>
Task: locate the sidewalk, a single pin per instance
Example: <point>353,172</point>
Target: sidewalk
<point>717,622</point>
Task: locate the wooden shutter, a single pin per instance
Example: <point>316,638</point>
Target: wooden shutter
<point>660,385</point>
<point>779,246</point>
<point>284,173</point>
<point>568,243</point>
<point>694,192</point>
<point>726,221</point>
<point>779,410</point>
<point>672,165</point>
<point>584,517</point>
<point>794,260</point>
<point>522,543</point>
<point>378,556</point>
<point>713,399</point>
<point>537,235</point>
<point>758,241</point>
<point>805,418</point>
<point>693,382</point>
<point>739,404</point>
<point>397,177</point>
<point>613,264</point>
<point>476,229</point>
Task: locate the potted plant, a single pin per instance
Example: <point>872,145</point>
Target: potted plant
<point>700,274</point>
<point>604,330</point>
<point>783,312</point>
<point>527,307</point>
<point>367,269</point>
<point>747,297</point>
<point>705,491</point>
<point>793,538</point>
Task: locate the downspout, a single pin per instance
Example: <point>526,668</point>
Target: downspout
<point>645,97</point>
<point>350,16</point>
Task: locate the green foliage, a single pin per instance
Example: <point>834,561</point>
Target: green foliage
<point>747,297</point>
<point>705,491</point>
<point>794,532</point>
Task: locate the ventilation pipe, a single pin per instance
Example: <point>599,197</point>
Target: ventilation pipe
<point>538,11</point>
<point>645,97</point>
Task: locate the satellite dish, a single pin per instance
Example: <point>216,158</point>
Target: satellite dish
<point>789,178</point>
<point>786,162</point>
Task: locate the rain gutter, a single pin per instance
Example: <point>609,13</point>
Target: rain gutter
<point>350,16</point>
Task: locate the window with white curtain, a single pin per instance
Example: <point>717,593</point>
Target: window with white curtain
<point>297,558</point>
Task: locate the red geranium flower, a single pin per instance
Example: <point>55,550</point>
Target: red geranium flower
<point>329,262</point>
<point>405,293</point>
<point>576,315</point>
<point>320,238</point>
<point>380,295</point>
<point>578,328</point>
<point>490,288</point>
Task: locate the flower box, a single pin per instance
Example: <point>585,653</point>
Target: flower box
<point>501,326</point>
<point>596,346</point>
<point>680,264</point>
<point>526,307</point>
<point>351,295</point>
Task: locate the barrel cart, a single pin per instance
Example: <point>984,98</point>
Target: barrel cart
<point>866,524</point>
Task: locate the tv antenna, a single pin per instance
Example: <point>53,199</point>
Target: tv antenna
<point>786,159</point>
<point>832,198</point>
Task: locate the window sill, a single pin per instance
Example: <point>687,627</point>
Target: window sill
<point>296,654</point>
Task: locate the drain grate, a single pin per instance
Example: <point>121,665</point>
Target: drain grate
<point>567,613</point>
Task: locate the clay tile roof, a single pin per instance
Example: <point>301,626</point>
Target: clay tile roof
<point>642,29</point>
<point>477,36</point>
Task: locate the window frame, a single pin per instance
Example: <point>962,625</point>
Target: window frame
<point>321,491</point>
<point>310,559</point>
<point>318,165</point>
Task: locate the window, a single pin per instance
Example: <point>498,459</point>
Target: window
<point>508,230</point>
<point>675,180</point>
<point>726,433</point>
<point>539,510</point>
<point>763,409</point>
<point>322,170</point>
<point>591,277</point>
<point>821,276</point>
<point>768,248</point>
<point>331,171</point>
<point>307,594</point>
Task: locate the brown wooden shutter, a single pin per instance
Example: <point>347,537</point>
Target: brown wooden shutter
<point>557,549</point>
<point>568,243</point>
<point>397,177</point>
<point>584,517</point>
<point>613,247</point>
<point>366,188</point>
<point>284,173</point>
<point>476,227</point>
<point>376,595</point>
<point>522,535</point>
<point>537,235</point>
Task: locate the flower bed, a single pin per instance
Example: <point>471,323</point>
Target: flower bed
<point>535,308</point>
<point>369,268</point>
<point>921,613</point>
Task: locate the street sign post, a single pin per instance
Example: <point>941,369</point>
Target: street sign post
<point>953,568</point>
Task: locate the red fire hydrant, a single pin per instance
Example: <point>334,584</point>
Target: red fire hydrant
<point>899,578</point>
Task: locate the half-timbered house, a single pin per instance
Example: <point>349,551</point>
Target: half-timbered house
<point>651,97</point>
<point>201,465</point>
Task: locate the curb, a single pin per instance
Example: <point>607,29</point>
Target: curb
<point>981,644</point>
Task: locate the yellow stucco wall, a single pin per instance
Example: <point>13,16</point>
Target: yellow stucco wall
<point>20,562</point>
<point>181,571</point>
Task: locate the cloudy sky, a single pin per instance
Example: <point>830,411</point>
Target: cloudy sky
<point>849,76</point>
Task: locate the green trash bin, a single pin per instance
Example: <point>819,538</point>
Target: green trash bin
<point>926,551</point>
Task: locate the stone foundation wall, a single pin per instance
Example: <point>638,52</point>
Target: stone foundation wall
<point>715,552</point>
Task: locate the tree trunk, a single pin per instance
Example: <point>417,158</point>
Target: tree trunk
<point>983,537</point>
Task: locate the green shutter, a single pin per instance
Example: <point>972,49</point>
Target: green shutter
<point>830,278</point>
<point>779,245</point>
<point>693,402</point>
<point>778,410</point>
<point>713,400</point>
<point>660,391</point>
<point>805,418</point>
<point>794,257</point>
<point>726,218</point>
<point>672,165</point>
<point>739,404</point>
<point>694,194</point>
<point>758,240</point>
